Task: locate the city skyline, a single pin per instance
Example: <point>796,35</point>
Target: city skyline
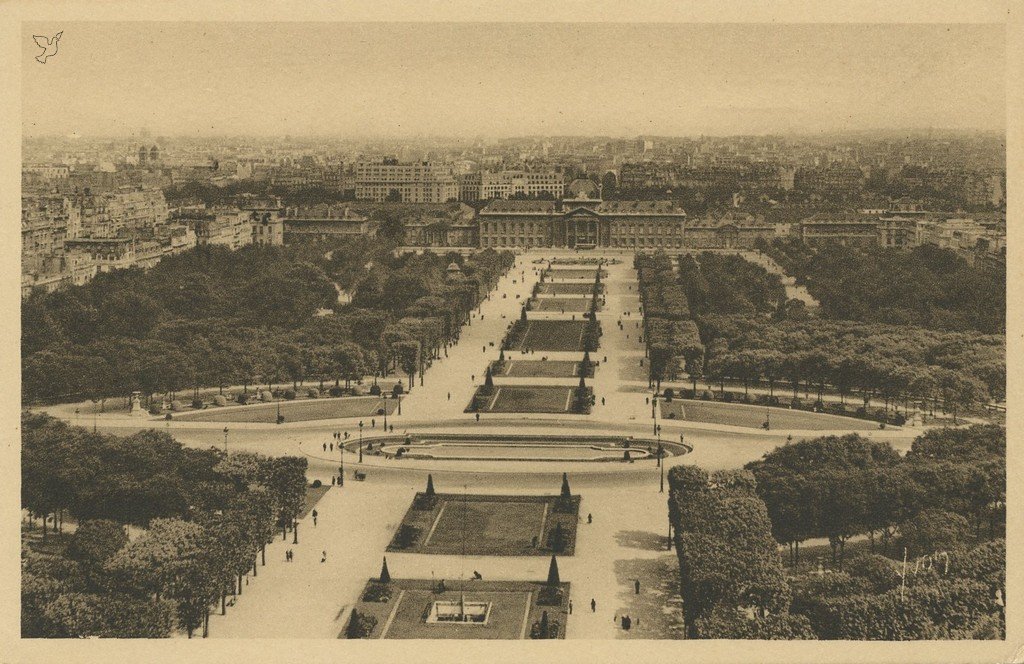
<point>397,81</point>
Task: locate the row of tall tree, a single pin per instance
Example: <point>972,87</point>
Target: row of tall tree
<point>948,491</point>
<point>212,317</point>
<point>672,339</point>
<point>897,364</point>
<point>207,518</point>
<point>731,577</point>
<point>924,286</point>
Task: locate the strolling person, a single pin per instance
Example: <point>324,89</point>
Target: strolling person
<point>636,586</point>
<point>593,605</point>
<point>323,557</point>
<point>570,607</point>
<point>590,518</point>
<point>314,518</point>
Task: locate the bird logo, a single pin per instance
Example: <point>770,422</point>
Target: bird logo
<point>49,46</point>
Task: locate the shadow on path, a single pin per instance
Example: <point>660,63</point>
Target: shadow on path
<point>658,605</point>
<point>641,539</point>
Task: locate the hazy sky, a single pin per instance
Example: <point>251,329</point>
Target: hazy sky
<point>511,79</point>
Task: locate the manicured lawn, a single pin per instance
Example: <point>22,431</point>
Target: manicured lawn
<point>514,609</point>
<point>742,415</point>
<point>531,399</point>
<point>295,411</point>
<point>540,369</point>
<point>575,273</point>
<point>549,288</point>
<point>552,335</point>
<point>484,525</point>
<point>563,304</point>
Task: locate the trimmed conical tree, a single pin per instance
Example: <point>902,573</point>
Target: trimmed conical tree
<point>430,484</point>
<point>565,486</point>
<point>583,382</point>
<point>522,315</point>
<point>501,355</point>
<point>544,625</point>
<point>553,578</point>
<point>488,380</point>
<point>385,575</point>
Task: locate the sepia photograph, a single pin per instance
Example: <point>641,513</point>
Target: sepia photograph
<point>646,333</point>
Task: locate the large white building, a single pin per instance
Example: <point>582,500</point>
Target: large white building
<point>418,182</point>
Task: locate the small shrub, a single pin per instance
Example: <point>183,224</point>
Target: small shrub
<point>197,403</point>
<point>669,394</point>
<point>155,409</point>
<point>317,484</point>
<point>357,390</point>
<point>375,390</point>
<point>177,406</point>
<point>243,398</point>
<point>397,389</point>
<point>728,397</point>
<point>671,415</point>
<point>336,391</point>
<point>796,404</point>
<point>289,395</point>
<point>406,536</point>
<point>706,395</point>
<point>772,401</point>
<point>360,626</point>
<point>550,596</point>
<point>313,393</point>
<point>377,592</point>
<point>220,400</point>
<point>266,395</point>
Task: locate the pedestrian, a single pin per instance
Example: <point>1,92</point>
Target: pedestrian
<point>478,417</point>
<point>325,447</point>
<point>590,518</point>
<point>449,396</point>
<point>593,605</point>
<point>472,378</point>
<point>333,480</point>
<point>323,557</point>
<point>314,518</point>
<point>636,586</point>
<point>602,401</point>
<point>570,607</point>
<point>332,447</point>
<point>373,423</point>
<point>392,427</point>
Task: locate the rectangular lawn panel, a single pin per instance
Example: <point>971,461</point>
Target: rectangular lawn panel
<point>560,304</point>
<point>575,273</point>
<point>583,288</point>
<point>488,525</point>
<point>294,411</point>
<point>531,399</point>
<point>540,369</point>
<point>553,335</point>
<point>514,607</point>
<point>743,415</point>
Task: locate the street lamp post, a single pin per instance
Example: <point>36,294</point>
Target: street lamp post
<point>360,441</point>
<point>341,454</point>
<point>385,412</point>
<point>225,440</point>
<point>654,412</point>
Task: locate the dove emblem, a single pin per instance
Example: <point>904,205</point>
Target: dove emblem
<point>49,46</point>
